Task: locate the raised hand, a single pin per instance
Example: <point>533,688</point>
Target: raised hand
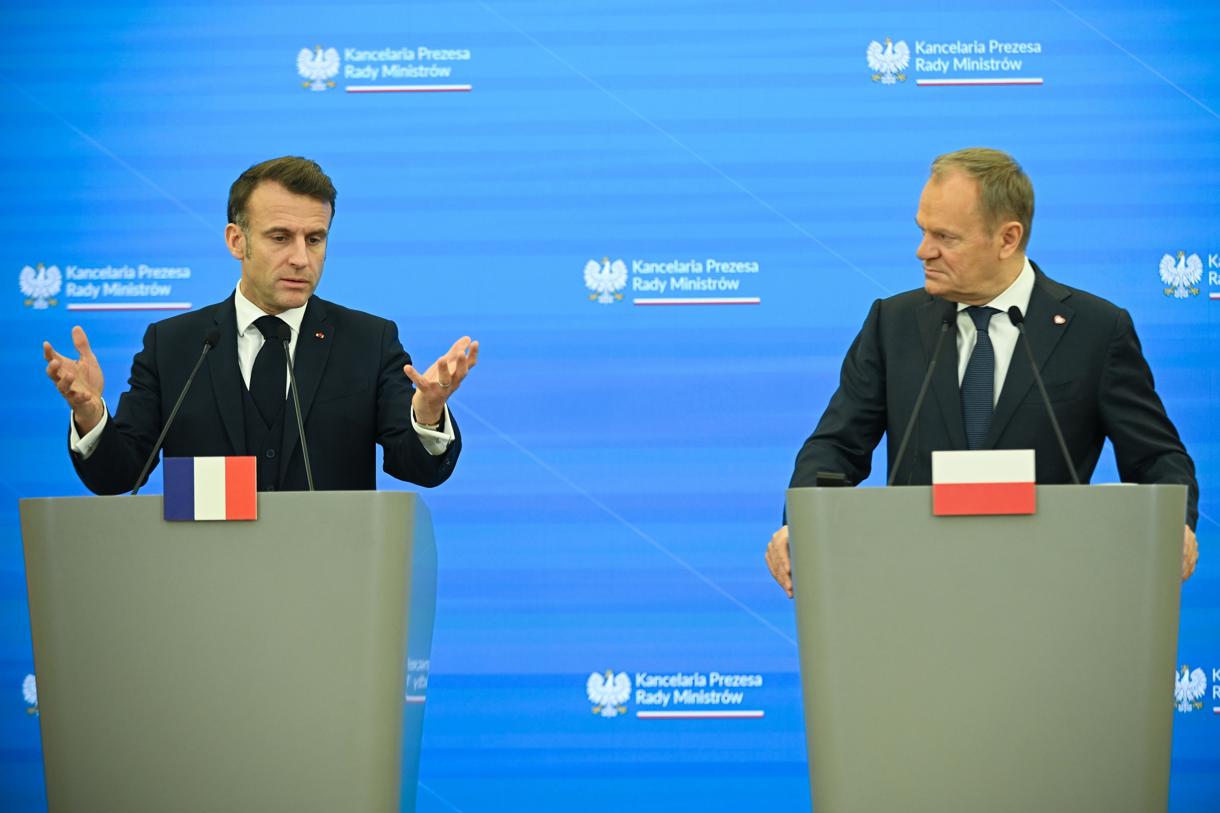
<point>442,379</point>
<point>79,382</point>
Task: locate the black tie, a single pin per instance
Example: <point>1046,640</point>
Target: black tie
<point>270,374</point>
<point>978,384</point>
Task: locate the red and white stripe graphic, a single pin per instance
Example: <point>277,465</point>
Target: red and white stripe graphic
<point>993,481</point>
<point>724,714</point>
<point>1033,80</point>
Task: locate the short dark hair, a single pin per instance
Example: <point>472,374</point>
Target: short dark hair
<point>299,176</point>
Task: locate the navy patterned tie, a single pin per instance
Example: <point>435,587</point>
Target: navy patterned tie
<point>978,384</point>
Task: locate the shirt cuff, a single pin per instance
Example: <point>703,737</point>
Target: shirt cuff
<point>436,441</point>
<point>84,446</point>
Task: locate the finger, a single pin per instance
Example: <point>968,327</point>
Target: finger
<point>472,357</point>
<point>50,353</point>
<point>82,342</point>
<point>418,380</point>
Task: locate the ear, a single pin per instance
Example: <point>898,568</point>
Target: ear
<point>235,239</point>
<point>1010,235</point>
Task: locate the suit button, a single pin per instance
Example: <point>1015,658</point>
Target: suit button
<point>270,453</point>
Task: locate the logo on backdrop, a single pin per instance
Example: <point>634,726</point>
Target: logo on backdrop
<point>605,279</point>
<point>105,287</point>
<point>1189,687</point>
<point>318,66</point>
<point>608,692</point>
<point>393,69</point>
<point>40,285</point>
<point>888,63</point>
<point>696,695</point>
<point>29,690</point>
<point>961,62</point>
<point>1181,276</point>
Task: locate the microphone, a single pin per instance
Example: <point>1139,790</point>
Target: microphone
<point>949,317</point>
<point>1014,316</point>
<point>284,334</point>
<point>209,341</point>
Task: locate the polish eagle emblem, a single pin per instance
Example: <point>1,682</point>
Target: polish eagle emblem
<point>888,61</point>
<point>39,285</point>
<point>605,280</point>
<point>608,692</point>
<point>1181,278</point>
<point>318,67</point>
<point>29,690</point>
<point>1188,688</point>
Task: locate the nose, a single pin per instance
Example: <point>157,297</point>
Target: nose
<point>300,253</point>
<point>925,250</point>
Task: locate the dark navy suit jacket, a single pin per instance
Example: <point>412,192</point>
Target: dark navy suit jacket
<point>1090,360</point>
<point>354,394</point>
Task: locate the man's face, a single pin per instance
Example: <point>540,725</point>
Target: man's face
<point>963,260</point>
<point>282,249</point>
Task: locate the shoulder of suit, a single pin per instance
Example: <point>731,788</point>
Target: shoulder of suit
<point>339,313</point>
<point>1079,299</point>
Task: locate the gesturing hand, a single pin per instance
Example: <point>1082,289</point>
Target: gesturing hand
<point>442,379</point>
<point>79,382</point>
<point>779,562</point>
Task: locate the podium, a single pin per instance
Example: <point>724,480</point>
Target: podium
<point>236,666</point>
<point>1010,663</point>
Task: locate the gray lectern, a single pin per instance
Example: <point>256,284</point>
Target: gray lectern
<point>1018,664</point>
<point>235,666</point>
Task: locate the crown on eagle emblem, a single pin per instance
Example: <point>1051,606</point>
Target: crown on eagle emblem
<point>318,67</point>
<point>39,285</point>
<point>608,692</point>
<point>889,61</point>
<point>605,280</point>
<point>1181,278</point>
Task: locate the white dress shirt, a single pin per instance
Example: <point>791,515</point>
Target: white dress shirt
<point>1003,333</point>
<point>249,342</point>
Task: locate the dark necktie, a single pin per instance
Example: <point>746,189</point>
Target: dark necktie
<point>978,384</point>
<point>270,374</point>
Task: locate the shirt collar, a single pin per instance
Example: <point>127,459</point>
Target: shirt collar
<point>1018,293</point>
<point>248,313</point>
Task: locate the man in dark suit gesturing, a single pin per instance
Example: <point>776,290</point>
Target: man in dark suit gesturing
<point>975,214</point>
<point>356,384</point>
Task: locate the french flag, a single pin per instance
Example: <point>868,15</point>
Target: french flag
<point>985,481</point>
<point>207,488</point>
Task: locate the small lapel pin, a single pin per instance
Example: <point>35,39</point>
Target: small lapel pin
<point>319,335</point>
<point>1060,319</point>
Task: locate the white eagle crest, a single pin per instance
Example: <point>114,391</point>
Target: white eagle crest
<point>608,692</point>
<point>605,279</point>
<point>39,285</point>
<point>29,690</point>
<point>1182,277</point>
<point>318,66</point>
<point>888,62</point>
<point>1188,688</point>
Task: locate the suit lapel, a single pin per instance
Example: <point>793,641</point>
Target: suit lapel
<point>226,376</point>
<point>944,379</point>
<point>1043,334</point>
<point>308,363</point>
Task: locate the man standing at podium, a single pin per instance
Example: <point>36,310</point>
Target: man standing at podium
<point>975,215</point>
<point>357,386</point>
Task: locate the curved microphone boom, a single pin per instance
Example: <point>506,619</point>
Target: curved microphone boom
<point>284,334</point>
<point>948,318</point>
<point>209,341</point>
<point>1018,321</point>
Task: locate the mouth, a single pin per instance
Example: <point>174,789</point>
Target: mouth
<point>295,283</point>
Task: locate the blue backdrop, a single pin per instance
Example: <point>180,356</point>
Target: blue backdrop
<point>624,460</point>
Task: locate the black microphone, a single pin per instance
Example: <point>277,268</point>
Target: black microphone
<point>284,334</point>
<point>209,341</point>
<point>1014,316</point>
<point>948,318</point>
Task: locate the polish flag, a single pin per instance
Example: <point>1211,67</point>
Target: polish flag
<point>984,481</point>
<point>205,488</point>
